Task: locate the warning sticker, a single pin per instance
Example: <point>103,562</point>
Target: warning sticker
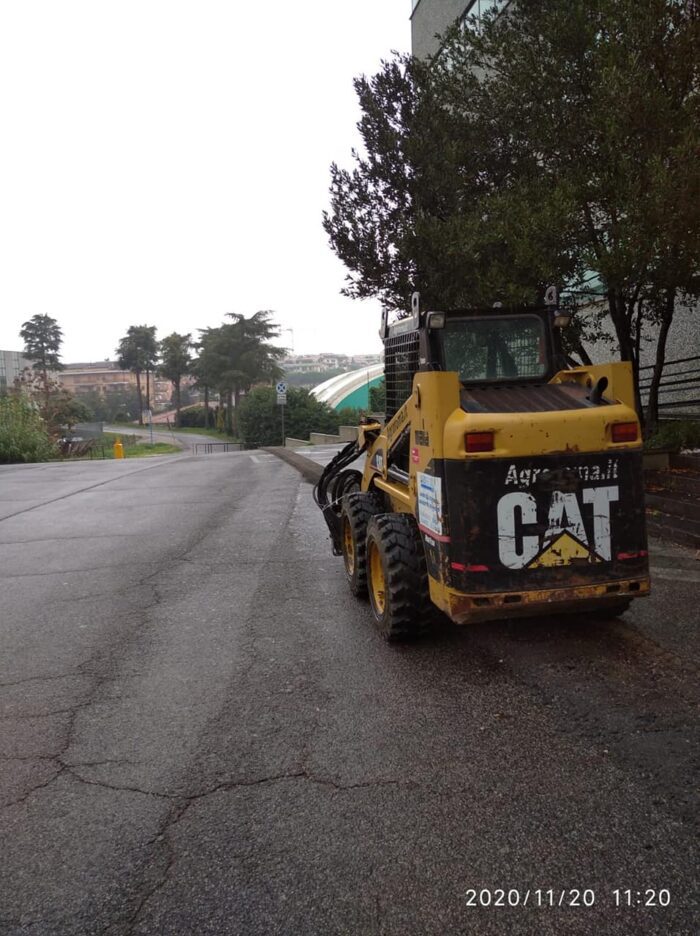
<point>430,503</point>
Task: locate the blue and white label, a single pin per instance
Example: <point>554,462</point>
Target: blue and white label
<point>430,503</point>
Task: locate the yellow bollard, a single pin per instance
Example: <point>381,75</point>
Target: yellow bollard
<point>118,449</point>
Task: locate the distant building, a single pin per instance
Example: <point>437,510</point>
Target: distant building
<point>432,18</point>
<point>106,376</point>
<point>12,363</point>
<point>100,376</point>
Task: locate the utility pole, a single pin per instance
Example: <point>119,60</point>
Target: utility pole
<point>282,401</point>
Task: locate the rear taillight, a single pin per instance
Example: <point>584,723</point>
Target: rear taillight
<point>625,432</point>
<point>478,442</point>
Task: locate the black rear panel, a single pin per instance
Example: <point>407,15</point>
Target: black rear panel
<point>528,523</point>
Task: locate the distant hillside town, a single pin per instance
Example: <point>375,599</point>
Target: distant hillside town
<point>100,378</point>
<point>323,363</point>
<point>310,370</point>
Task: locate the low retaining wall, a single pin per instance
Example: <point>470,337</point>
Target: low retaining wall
<point>308,469</point>
<point>289,442</point>
<point>323,438</point>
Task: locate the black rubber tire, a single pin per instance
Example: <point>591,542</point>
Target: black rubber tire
<point>612,610</point>
<point>356,511</point>
<point>407,607</point>
<point>348,481</point>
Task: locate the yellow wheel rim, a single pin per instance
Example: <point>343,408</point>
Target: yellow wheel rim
<point>348,547</point>
<point>376,576</point>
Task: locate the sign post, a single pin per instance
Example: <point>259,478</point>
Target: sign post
<point>282,401</point>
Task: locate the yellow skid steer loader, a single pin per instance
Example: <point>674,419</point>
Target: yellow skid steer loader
<point>502,481</point>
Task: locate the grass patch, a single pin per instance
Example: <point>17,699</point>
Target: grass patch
<point>133,446</point>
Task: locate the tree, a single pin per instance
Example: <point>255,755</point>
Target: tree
<point>120,405</point>
<point>237,355</point>
<point>138,353</point>
<point>42,338</point>
<point>260,418</point>
<point>200,369</point>
<point>67,410</point>
<point>176,361</point>
<point>59,408</point>
<point>377,397</point>
<point>551,142</point>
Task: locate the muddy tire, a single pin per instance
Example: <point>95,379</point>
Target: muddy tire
<point>356,512</point>
<point>397,577</point>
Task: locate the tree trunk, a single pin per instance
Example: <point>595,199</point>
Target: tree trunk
<point>621,319</point>
<point>206,407</point>
<point>45,377</point>
<point>652,419</point>
<point>583,354</point>
<point>177,403</point>
<point>140,393</point>
<point>148,388</point>
<point>229,412</point>
<point>236,398</point>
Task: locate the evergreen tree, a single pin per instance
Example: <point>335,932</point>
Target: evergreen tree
<point>176,361</point>
<point>42,338</point>
<point>237,355</point>
<point>138,353</point>
<point>553,142</point>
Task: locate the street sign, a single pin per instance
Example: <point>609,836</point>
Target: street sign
<point>281,399</point>
<point>281,387</point>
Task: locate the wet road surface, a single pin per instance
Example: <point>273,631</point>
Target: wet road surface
<point>201,733</point>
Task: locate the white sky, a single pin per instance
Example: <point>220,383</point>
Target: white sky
<point>166,161</point>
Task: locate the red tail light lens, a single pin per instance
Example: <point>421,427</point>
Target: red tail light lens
<point>625,432</point>
<point>478,442</point>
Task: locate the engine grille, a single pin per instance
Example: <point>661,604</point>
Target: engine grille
<point>401,360</point>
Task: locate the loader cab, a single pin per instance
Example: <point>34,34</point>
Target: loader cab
<point>496,346</point>
<point>500,346</point>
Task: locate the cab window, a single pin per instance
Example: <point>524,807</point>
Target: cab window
<point>495,348</point>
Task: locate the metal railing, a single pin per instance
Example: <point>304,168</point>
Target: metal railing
<point>679,391</point>
<point>208,448</point>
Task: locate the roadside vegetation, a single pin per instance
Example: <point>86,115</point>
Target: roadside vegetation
<point>675,436</point>
<point>23,433</point>
<point>134,447</point>
<point>260,417</point>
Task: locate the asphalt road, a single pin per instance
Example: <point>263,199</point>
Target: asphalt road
<point>201,733</point>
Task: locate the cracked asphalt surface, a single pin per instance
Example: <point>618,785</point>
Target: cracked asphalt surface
<point>201,733</point>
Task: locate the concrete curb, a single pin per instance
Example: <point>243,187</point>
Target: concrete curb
<point>309,470</point>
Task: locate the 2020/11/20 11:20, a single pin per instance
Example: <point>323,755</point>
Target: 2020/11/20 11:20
<point>564,897</point>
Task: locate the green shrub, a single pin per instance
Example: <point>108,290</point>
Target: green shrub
<point>675,435</point>
<point>260,418</point>
<point>194,418</point>
<point>23,435</point>
<point>348,416</point>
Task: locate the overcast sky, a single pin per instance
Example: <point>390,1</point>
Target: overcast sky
<point>166,161</point>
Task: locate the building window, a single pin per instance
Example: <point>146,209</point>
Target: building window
<point>479,8</point>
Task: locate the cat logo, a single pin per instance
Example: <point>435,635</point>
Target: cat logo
<point>565,540</point>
